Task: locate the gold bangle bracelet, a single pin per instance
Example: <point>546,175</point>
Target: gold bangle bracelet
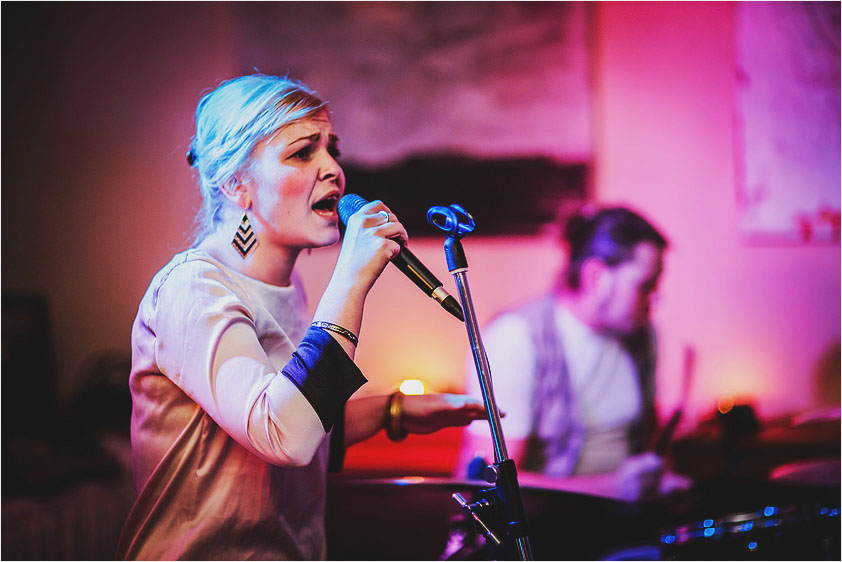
<point>394,417</point>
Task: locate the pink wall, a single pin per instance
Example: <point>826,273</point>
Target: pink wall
<point>759,317</point>
<point>104,192</point>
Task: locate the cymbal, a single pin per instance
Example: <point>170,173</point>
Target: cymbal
<point>815,472</point>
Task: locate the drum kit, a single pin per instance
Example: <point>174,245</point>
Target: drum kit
<point>414,518</point>
<point>793,515</point>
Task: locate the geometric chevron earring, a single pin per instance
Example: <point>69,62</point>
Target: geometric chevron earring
<point>245,240</point>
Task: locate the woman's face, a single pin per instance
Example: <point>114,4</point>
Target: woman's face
<point>294,185</point>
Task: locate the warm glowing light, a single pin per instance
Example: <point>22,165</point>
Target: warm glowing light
<point>726,402</point>
<point>406,481</point>
<point>412,386</point>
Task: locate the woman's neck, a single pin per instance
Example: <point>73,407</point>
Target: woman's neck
<point>267,263</point>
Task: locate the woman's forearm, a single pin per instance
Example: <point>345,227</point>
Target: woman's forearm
<point>364,418</point>
<point>424,413</point>
<point>342,304</point>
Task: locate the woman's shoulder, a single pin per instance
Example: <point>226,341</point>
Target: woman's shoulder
<point>193,270</point>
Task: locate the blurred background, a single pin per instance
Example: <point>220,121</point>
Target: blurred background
<point>718,121</point>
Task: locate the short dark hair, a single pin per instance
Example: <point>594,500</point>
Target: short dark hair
<point>610,234</point>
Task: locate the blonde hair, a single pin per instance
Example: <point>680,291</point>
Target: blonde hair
<point>230,121</point>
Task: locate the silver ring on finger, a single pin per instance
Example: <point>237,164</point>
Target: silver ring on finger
<point>385,215</point>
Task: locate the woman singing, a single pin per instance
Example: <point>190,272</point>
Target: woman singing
<point>239,402</point>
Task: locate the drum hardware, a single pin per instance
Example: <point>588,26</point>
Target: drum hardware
<point>498,511</point>
<point>463,540</point>
<point>474,510</point>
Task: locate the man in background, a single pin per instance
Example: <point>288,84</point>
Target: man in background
<point>574,370</point>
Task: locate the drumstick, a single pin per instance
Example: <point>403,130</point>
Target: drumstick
<point>688,367</point>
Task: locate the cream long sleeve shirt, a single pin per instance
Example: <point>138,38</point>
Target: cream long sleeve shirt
<point>230,413</point>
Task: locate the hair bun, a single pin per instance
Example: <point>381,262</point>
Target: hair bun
<point>578,225</point>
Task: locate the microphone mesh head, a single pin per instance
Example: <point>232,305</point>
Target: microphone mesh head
<point>348,205</point>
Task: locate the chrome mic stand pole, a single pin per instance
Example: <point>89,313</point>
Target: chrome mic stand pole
<point>501,453</point>
<point>499,510</point>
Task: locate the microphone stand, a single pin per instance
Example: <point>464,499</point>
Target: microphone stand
<point>497,511</point>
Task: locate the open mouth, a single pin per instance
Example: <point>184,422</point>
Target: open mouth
<point>327,205</point>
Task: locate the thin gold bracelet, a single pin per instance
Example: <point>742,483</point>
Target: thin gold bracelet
<point>348,334</point>
<point>394,417</point>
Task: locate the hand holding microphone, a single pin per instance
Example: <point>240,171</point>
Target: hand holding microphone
<point>411,266</point>
<point>373,237</point>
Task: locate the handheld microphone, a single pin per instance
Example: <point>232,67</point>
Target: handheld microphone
<point>406,262</point>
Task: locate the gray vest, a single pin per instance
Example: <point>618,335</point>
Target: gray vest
<point>557,429</point>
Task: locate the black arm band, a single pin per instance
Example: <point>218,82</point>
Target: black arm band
<point>336,458</point>
<point>324,374</point>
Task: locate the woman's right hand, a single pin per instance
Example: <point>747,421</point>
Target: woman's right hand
<point>369,244</point>
<point>372,237</point>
